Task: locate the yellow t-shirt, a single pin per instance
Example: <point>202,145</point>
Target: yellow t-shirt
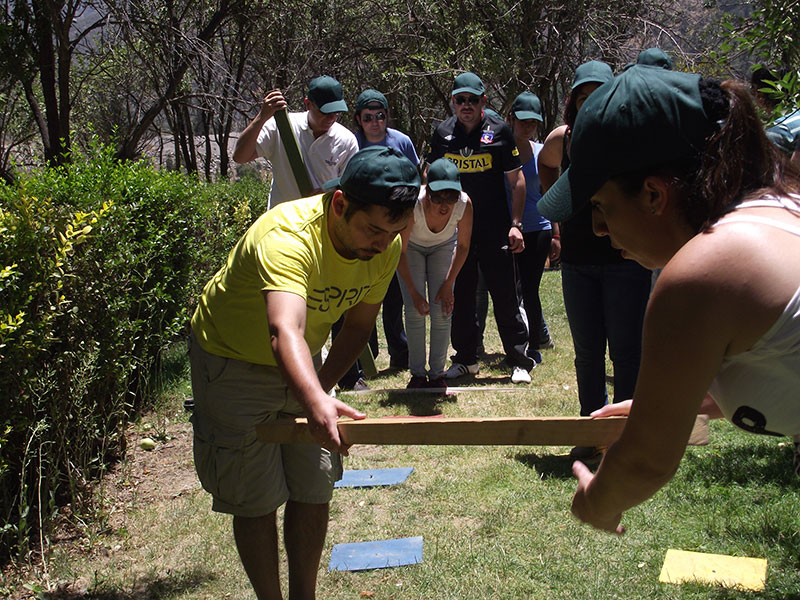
<point>287,249</point>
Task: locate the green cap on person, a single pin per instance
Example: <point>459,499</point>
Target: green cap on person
<point>470,83</point>
<point>372,173</point>
<point>443,175</point>
<point>644,118</point>
<point>371,99</point>
<point>527,106</point>
<point>783,139</point>
<point>654,57</point>
<point>326,93</point>
<point>594,71</point>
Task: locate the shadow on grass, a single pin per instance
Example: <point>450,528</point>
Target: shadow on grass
<point>172,585</point>
<point>550,466</point>
<point>424,404</point>
<point>759,463</point>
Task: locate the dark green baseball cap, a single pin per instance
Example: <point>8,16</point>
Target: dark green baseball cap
<point>443,175</point>
<point>783,138</point>
<point>372,173</point>
<point>527,106</point>
<point>470,83</point>
<point>594,71</point>
<point>371,99</point>
<point>326,93</point>
<point>645,117</point>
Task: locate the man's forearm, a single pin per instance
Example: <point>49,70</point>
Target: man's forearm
<point>297,367</point>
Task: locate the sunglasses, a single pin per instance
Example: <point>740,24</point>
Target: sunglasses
<point>473,100</point>
<point>449,197</point>
<point>367,118</point>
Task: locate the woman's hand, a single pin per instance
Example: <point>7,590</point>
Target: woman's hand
<point>582,508</point>
<point>421,304</point>
<point>446,297</point>
<point>618,409</point>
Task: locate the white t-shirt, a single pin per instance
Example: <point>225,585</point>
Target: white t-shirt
<point>421,233</point>
<point>325,157</point>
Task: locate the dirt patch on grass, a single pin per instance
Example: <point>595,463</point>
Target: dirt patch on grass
<point>150,476</point>
<point>144,477</point>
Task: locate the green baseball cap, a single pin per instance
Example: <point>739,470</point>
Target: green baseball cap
<point>645,117</point>
<point>594,71</point>
<point>371,99</point>
<point>372,173</point>
<point>443,175</point>
<point>783,138</point>
<point>655,57</point>
<point>326,93</point>
<point>527,106</point>
<point>470,83</point>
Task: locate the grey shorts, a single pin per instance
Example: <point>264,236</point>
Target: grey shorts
<point>246,477</point>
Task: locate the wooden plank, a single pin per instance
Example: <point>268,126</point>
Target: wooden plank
<point>502,431</point>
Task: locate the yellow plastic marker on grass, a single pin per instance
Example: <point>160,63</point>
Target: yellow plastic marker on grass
<point>745,573</point>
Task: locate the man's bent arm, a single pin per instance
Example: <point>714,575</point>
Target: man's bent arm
<point>350,341</point>
<point>245,149</point>
<point>286,313</point>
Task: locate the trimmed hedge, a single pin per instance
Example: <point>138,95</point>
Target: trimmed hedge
<point>100,266</point>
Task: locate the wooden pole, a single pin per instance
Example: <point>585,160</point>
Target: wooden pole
<point>292,149</point>
<point>502,431</point>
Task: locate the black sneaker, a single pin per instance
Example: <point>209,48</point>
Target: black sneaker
<point>417,382</point>
<point>439,383</point>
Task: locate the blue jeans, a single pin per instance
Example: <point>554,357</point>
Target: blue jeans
<point>605,303</point>
<point>429,266</point>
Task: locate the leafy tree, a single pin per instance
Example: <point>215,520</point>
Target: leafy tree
<point>39,40</point>
<point>770,36</point>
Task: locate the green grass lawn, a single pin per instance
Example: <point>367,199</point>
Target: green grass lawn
<point>495,520</point>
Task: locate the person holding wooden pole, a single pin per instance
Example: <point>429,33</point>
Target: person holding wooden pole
<point>258,323</point>
<point>679,174</point>
<point>325,144</point>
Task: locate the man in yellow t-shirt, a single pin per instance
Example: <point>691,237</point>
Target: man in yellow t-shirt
<point>260,319</point>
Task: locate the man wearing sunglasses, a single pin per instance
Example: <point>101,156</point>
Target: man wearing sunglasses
<point>372,123</point>
<point>326,145</point>
<point>482,147</point>
<point>372,119</point>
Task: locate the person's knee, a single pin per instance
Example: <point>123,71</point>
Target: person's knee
<point>241,523</point>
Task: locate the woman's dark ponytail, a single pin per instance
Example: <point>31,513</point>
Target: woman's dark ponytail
<point>738,159</point>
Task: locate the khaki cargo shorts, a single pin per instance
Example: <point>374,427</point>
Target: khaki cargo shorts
<point>246,477</point>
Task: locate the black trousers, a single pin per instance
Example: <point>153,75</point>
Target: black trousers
<point>396,342</point>
<point>497,265</point>
<point>530,264</point>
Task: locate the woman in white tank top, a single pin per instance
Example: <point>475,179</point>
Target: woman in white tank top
<point>435,246</point>
<point>680,175</point>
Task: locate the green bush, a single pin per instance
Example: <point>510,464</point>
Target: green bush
<point>100,267</point>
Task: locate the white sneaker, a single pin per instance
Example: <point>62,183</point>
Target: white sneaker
<point>520,375</point>
<point>459,370</point>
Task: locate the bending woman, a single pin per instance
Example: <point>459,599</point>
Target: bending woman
<point>679,174</point>
<point>435,246</point>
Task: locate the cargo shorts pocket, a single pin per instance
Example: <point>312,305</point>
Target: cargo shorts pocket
<point>219,461</point>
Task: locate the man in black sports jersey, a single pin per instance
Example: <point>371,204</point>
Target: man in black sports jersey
<point>482,146</point>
